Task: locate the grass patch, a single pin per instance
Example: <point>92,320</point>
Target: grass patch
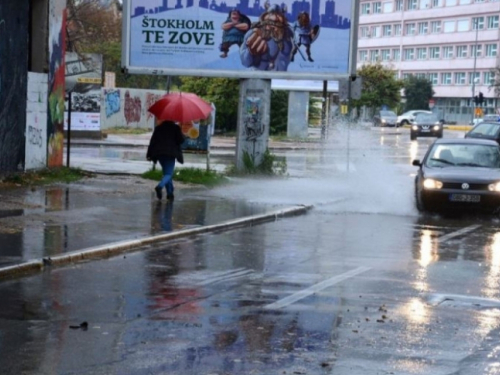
<point>126,130</point>
<point>45,176</point>
<point>190,175</point>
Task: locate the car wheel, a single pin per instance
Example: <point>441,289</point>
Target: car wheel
<point>413,136</point>
<point>419,202</point>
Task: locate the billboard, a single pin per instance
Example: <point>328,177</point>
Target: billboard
<point>292,39</point>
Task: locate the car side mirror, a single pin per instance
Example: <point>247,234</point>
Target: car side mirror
<point>417,163</point>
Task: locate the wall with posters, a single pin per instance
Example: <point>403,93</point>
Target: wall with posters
<point>84,83</point>
<point>128,107</point>
<point>57,46</point>
<point>36,121</point>
<point>14,49</point>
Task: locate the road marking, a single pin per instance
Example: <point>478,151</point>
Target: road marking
<point>460,232</point>
<point>315,288</point>
<point>230,275</point>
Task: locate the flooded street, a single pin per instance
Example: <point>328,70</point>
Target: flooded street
<point>361,284</point>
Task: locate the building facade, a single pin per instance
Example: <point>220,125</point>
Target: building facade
<point>454,43</point>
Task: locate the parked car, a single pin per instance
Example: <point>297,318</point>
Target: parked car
<point>485,130</point>
<point>459,174</point>
<point>385,118</point>
<point>486,118</point>
<point>426,125</point>
<point>407,118</point>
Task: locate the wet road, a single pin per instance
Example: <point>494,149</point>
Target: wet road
<point>360,286</point>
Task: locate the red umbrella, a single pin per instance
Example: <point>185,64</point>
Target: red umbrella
<point>181,107</point>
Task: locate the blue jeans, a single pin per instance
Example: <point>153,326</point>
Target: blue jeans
<point>167,165</point>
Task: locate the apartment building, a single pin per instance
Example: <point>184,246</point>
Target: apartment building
<point>436,39</point>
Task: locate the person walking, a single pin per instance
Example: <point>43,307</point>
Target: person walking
<point>165,148</point>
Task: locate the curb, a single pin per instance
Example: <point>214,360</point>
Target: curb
<point>115,248</point>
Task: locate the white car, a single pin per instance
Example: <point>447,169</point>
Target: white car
<point>408,117</point>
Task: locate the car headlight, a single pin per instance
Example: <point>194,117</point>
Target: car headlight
<point>384,121</point>
<point>494,187</point>
<point>414,127</point>
<point>429,183</point>
<point>436,127</point>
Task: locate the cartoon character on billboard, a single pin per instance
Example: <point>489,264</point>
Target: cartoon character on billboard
<point>269,42</point>
<point>235,27</point>
<point>304,34</point>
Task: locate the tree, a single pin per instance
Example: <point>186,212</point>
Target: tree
<point>380,87</point>
<point>417,91</point>
<point>495,81</point>
<point>279,112</point>
<point>223,92</point>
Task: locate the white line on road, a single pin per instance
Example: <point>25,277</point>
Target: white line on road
<point>315,288</point>
<point>231,275</point>
<point>460,232</point>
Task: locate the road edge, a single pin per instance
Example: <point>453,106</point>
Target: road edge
<point>116,248</point>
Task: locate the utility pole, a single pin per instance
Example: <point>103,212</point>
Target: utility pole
<point>476,25</point>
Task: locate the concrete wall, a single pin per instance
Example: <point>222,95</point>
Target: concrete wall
<point>298,114</point>
<point>36,121</point>
<point>14,47</point>
<point>123,107</point>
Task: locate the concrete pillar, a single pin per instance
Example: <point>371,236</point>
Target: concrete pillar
<point>253,121</point>
<point>298,114</point>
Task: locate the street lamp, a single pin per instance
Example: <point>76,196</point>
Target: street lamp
<point>476,25</point>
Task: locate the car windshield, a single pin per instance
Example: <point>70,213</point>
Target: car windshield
<point>387,114</point>
<point>485,130</point>
<point>464,155</point>
<point>426,118</point>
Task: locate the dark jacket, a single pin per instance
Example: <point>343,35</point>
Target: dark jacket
<point>166,141</point>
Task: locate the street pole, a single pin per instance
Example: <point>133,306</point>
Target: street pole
<point>474,74</point>
<point>68,142</point>
<point>323,110</point>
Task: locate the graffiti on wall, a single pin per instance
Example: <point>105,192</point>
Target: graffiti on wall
<point>112,102</point>
<point>254,128</point>
<point>150,100</point>
<point>132,108</point>
<point>55,124</point>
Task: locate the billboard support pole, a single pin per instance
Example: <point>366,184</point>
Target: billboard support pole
<point>323,110</point>
<point>252,133</point>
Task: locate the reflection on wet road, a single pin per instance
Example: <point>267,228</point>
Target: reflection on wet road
<point>363,285</point>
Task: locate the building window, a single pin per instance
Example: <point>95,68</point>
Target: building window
<point>364,31</point>
<point>377,7</point>
<point>437,3</point>
<point>410,29</point>
<point>421,53</point>
<point>374,55</point>
<point>397,29</point>
<point>463,25</point>
<point>396,54</point>
<point>477,23</point>
<point>477,77</point>
<point>488,78</point>
<point>491,50</point>
<point>387,30</point>
<point>386,54</point>
<point>365,8</point>
<point>375,32</point>
<point>424,4</point>
<point>433,77</point>
<point>409,54</point>
<point>447,52</point>
<point>493,22</point>
<point>464,2</point>
<point>421,75</point>
<point>449,26</point>
<point>450,3</point>
<point>398,5</point>
<point>423,27</point>
<point>435,27</point>
<point>412,4</point>
<point>363,55</point>
<point>434,52</point>
<point>460,78</point>
<point>407,76</point>
<point>475,50</point>
<point>387,7</point>
<point>461,51</point>
<point>446,78</point>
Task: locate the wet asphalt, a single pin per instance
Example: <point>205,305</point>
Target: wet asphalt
<point>361,284</point>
